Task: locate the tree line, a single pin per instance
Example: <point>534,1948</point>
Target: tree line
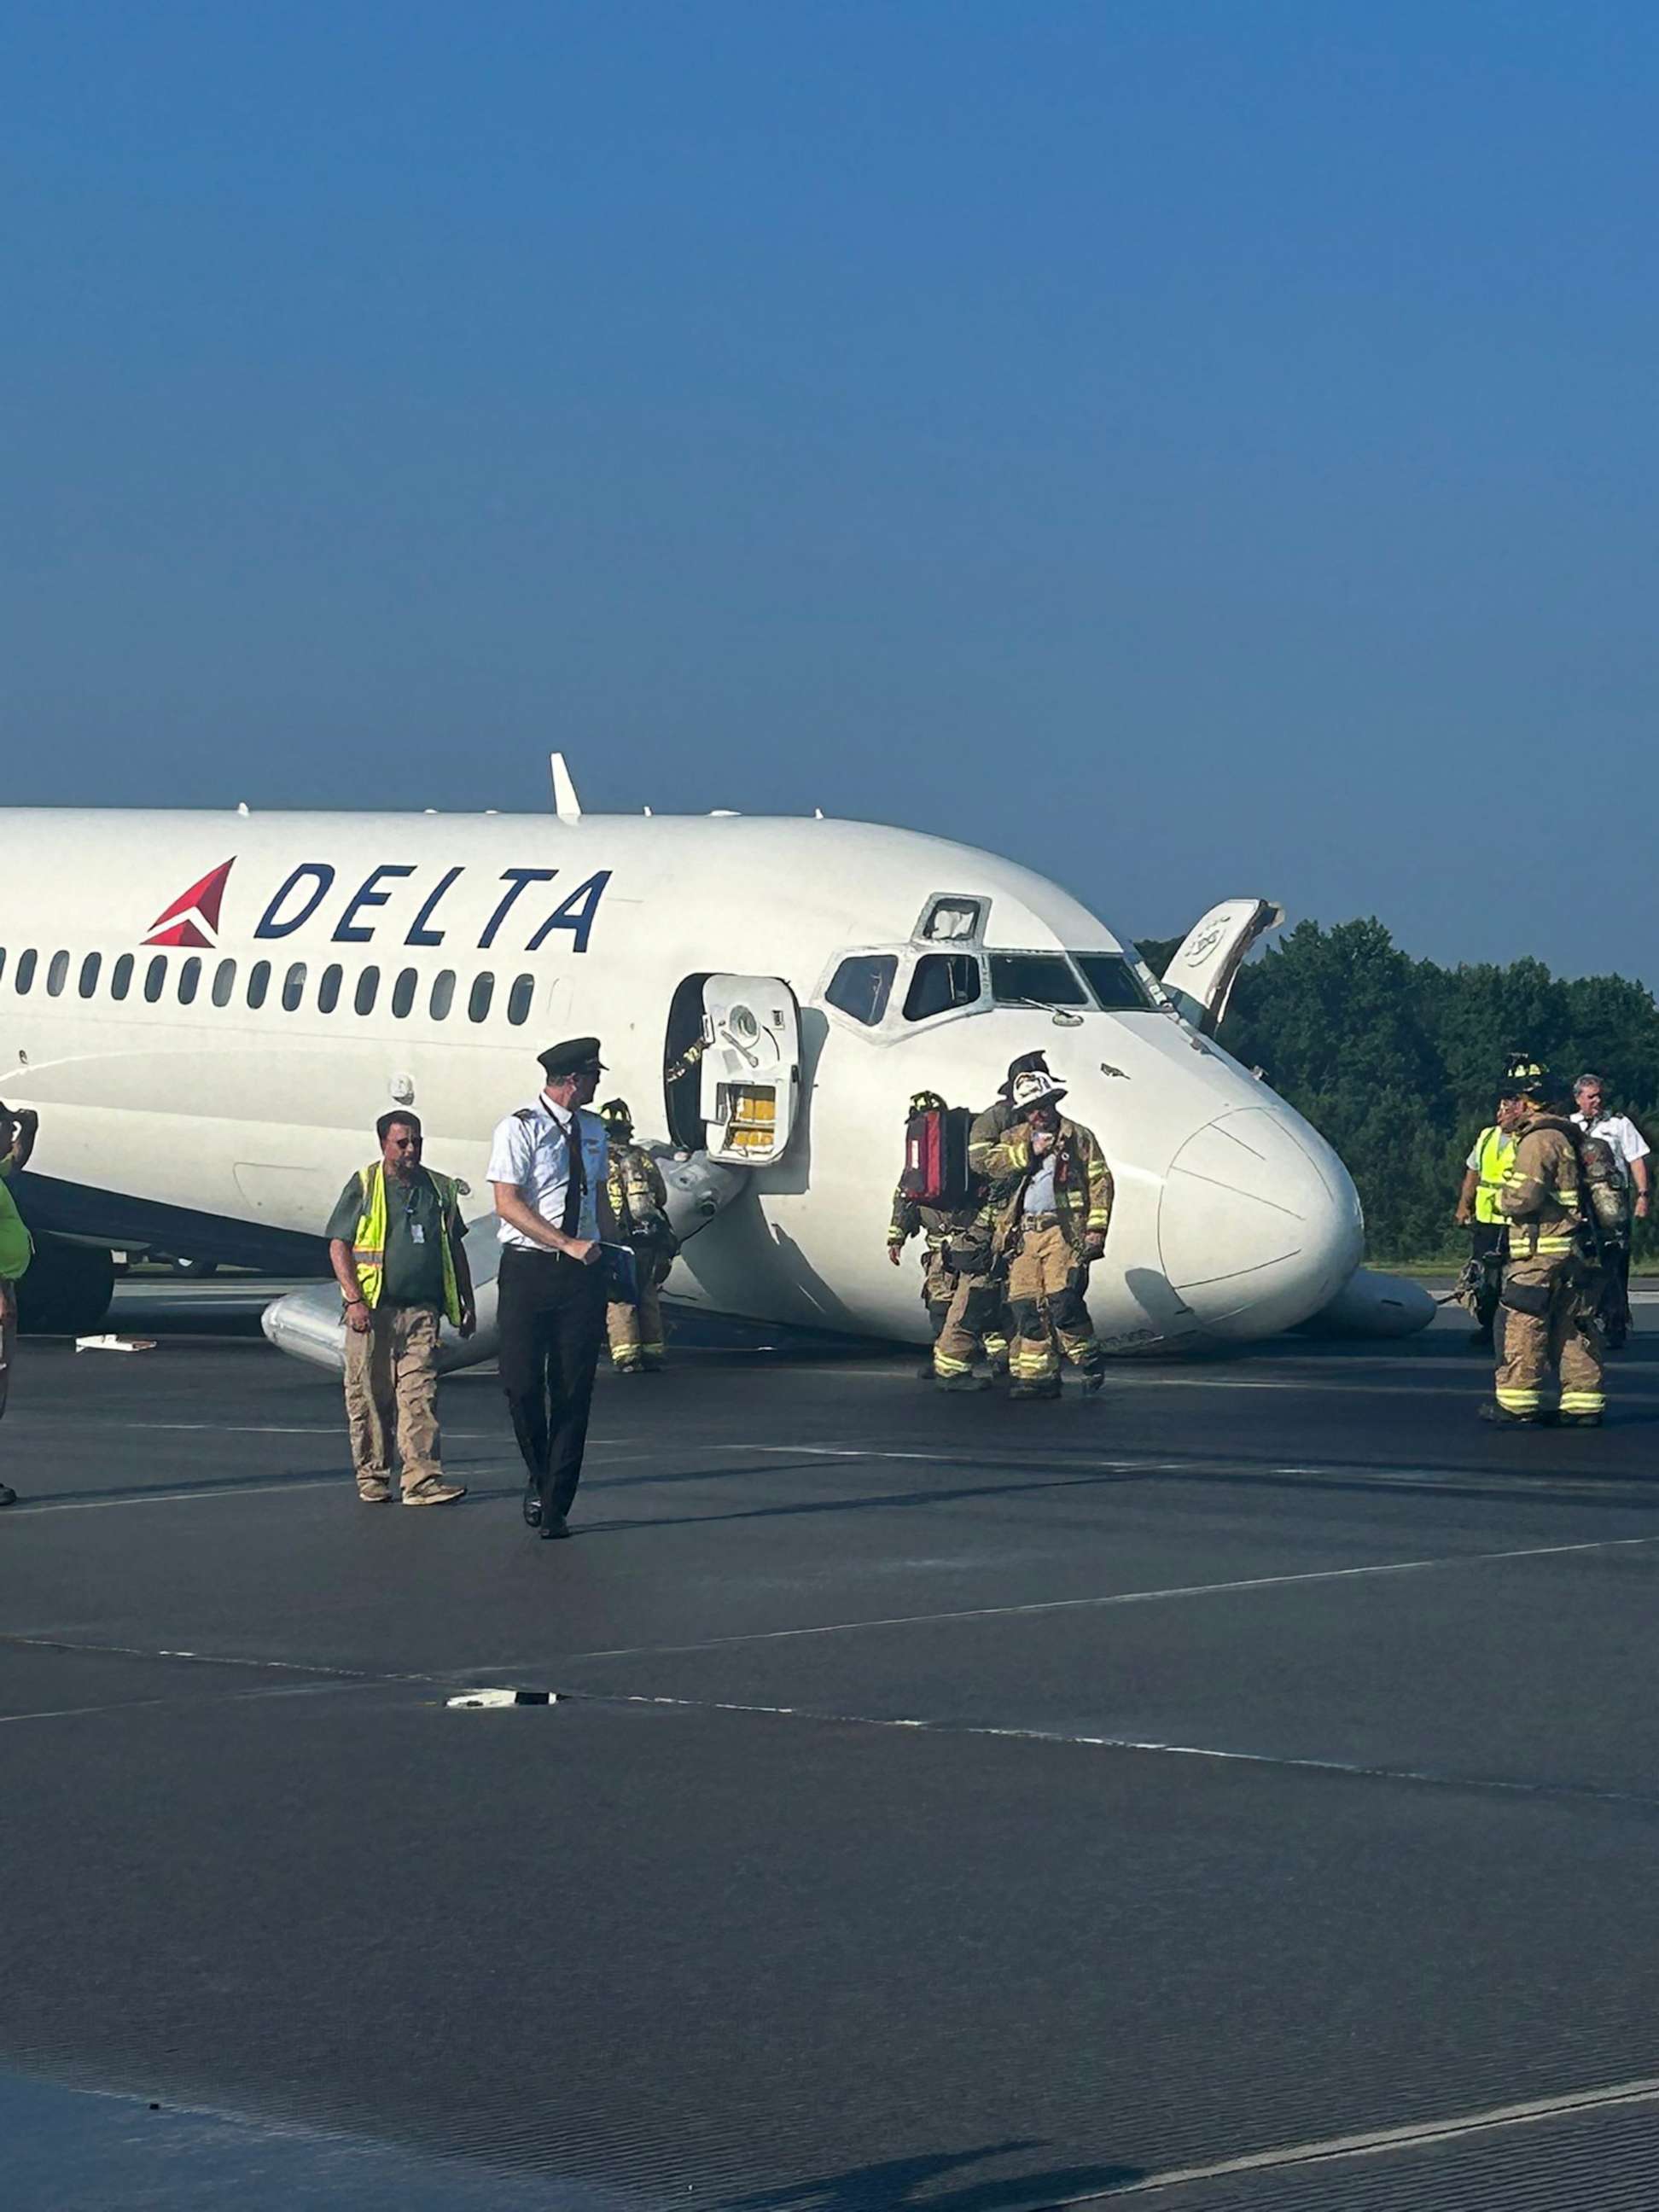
<point>1395,1060</point>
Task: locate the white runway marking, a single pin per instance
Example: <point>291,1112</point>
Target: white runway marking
<point>1378,2141</point>
<point>1124,1597</point>
<point>1354,1769</point>
<point>1213,1469</point>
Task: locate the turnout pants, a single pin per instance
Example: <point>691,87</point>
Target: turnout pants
<point>551,1315</point>
<point>1551,1347</point>
<point>965,1314</point>
<point>392,1395</point>
<point>1045,1297</point>
<point>635,1332</point>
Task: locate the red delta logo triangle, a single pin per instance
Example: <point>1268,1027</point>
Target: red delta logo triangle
<point>194,912</point>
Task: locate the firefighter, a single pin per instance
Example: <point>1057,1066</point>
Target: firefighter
<point>1477,1210</point>
<point>978,1313</point>
<point>639,1200</point>
<point>950,1235</point>
<point>1050,1203</point>
<point>1552,1367</point>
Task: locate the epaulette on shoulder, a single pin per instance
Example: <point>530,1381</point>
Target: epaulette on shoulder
<point>525,1114</point>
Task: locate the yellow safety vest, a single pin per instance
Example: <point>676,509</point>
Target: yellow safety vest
<point>1494,1151</point>
<point>368,1246</point>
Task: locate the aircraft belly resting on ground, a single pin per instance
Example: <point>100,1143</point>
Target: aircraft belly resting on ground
<point>210,1010</point>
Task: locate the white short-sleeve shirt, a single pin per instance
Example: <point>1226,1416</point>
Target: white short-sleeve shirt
<point>1621,1135</point>
<point>530,1149</point>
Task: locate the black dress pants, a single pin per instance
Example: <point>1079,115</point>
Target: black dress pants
<point>551,1315</point>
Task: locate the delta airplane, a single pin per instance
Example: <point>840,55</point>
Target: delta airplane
<point>209,1010</point>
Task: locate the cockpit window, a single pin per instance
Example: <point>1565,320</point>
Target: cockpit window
<point>860,985</point>
<point>1117,988</point>
<point>953,921</point>
<point>942,980</point>
<point>1035,978</point>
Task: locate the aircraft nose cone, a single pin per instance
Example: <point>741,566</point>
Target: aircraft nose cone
<point>1258,1225</point>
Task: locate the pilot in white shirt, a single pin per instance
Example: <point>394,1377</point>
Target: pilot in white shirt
<point>548,1164</point>
<point>531,1149</point>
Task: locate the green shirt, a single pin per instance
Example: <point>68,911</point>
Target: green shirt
<point>414,1234</point>
<point>16,1248</point>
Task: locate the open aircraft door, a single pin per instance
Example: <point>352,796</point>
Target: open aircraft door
<point>750,1067</point>
<point>1204,966</point>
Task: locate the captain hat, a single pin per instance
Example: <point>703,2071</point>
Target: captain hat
<point>575,1056</point>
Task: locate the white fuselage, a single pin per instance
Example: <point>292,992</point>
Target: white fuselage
<point>1232,1217</point>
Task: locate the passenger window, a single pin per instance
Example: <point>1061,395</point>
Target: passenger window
<point>23,979</point>
<point>190,980</point>
<point>443,994</point>
<point>120,976</point>
<point>1035,978</point>
<point>484,990</point>
<point>368,988</point>
<point>224,983</point>
<point>518,1005</point>
<point>57,975</point>
<point>90,968</point>
<point>328,991</point>
<point>860,985</point>
<point>155,981</point>
<point>942,979</point>
<point>1117,988</point>
<point>403,993</point>
<point>258,982</point>
<point>293,987</point>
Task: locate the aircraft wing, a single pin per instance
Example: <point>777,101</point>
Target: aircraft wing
<point>1203,966</point>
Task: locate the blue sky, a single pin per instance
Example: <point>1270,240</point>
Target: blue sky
<point>1193,449</point>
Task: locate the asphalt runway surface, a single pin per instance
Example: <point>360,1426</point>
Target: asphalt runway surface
<point>1238,1792</point>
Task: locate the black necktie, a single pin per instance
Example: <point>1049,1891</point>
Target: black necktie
<point>577,1175</point>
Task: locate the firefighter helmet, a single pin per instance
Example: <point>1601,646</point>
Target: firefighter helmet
<point>1036,1088</point>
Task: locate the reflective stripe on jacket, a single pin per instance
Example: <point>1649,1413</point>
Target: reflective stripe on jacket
<point>1082,1182</point>
<point>368,1246</point>
<point>1494,1149</point>
<point>1539,1197</point>
<point>639,1196</point>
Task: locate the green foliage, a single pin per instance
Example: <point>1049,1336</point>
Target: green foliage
<point>1396,1060</point>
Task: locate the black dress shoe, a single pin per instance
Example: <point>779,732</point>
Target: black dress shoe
<point>555,1525</point>
<point>533,1506</point>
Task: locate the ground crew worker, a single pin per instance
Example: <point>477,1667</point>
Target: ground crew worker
<point>977,1305</point>
<point>1477,1209</point>
<point>1051,1203</point>
<point>18,1132</point>
<point>639,1200</point>
<point>549,1171</point>
<point>395,1246</point>
<point>949,1235</point>
<point>1551,1367</point>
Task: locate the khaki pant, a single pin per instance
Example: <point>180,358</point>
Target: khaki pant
<point>1556,1351</point>
<point>8,1337</point>
<point>391,1391</point>
<point>1045,1296</point>
<point>635,1331</point>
